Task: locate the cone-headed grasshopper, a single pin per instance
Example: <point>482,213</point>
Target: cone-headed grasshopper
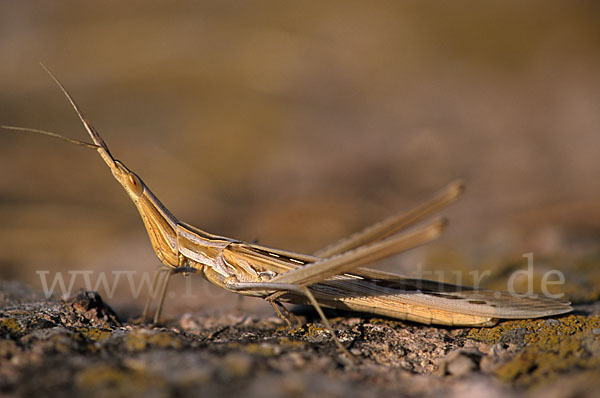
<point>332,277</point>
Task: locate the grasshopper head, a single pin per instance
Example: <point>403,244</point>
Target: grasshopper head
<point>132,184</point>
<point>160,224</point>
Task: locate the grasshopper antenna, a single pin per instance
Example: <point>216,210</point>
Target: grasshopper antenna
<point>98,142</point>
<point>51,134</point>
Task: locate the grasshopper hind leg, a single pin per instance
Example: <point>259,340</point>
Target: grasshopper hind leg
<point>284,287</point>
<point>337,341</point>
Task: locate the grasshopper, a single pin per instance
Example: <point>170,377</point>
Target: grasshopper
<point>334,277</point>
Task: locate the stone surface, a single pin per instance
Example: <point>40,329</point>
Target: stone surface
<point>79,346</point>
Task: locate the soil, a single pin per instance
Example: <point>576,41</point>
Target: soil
<point>80,346</point>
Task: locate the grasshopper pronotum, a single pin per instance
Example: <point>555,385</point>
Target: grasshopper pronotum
<point>332,277</point>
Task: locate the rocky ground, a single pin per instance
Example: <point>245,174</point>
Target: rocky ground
<point>80,346</point>
<point>296,124</point>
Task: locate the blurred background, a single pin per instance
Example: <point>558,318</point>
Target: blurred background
<point>297,123</point>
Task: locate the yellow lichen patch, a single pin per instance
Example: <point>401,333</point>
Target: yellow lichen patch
<point>139,340</point>
<point>537,328</point>
<point>94,334</point>
<point>494,334</point>
<point>284,341</point>
<point>237,365</point>
<point>572,342</point>
<point>283,328</point>
<point>109,381</point>
<point>233,346</point>
<point>11,326</point>
<point>313,330</point>
<point>265,349</point>
<point>387,322</point>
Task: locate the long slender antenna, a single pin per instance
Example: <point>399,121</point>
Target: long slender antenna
<point>51,134</point>
<point>95,136</point>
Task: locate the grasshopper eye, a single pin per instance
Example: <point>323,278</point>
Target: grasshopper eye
<point>135,184</point>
